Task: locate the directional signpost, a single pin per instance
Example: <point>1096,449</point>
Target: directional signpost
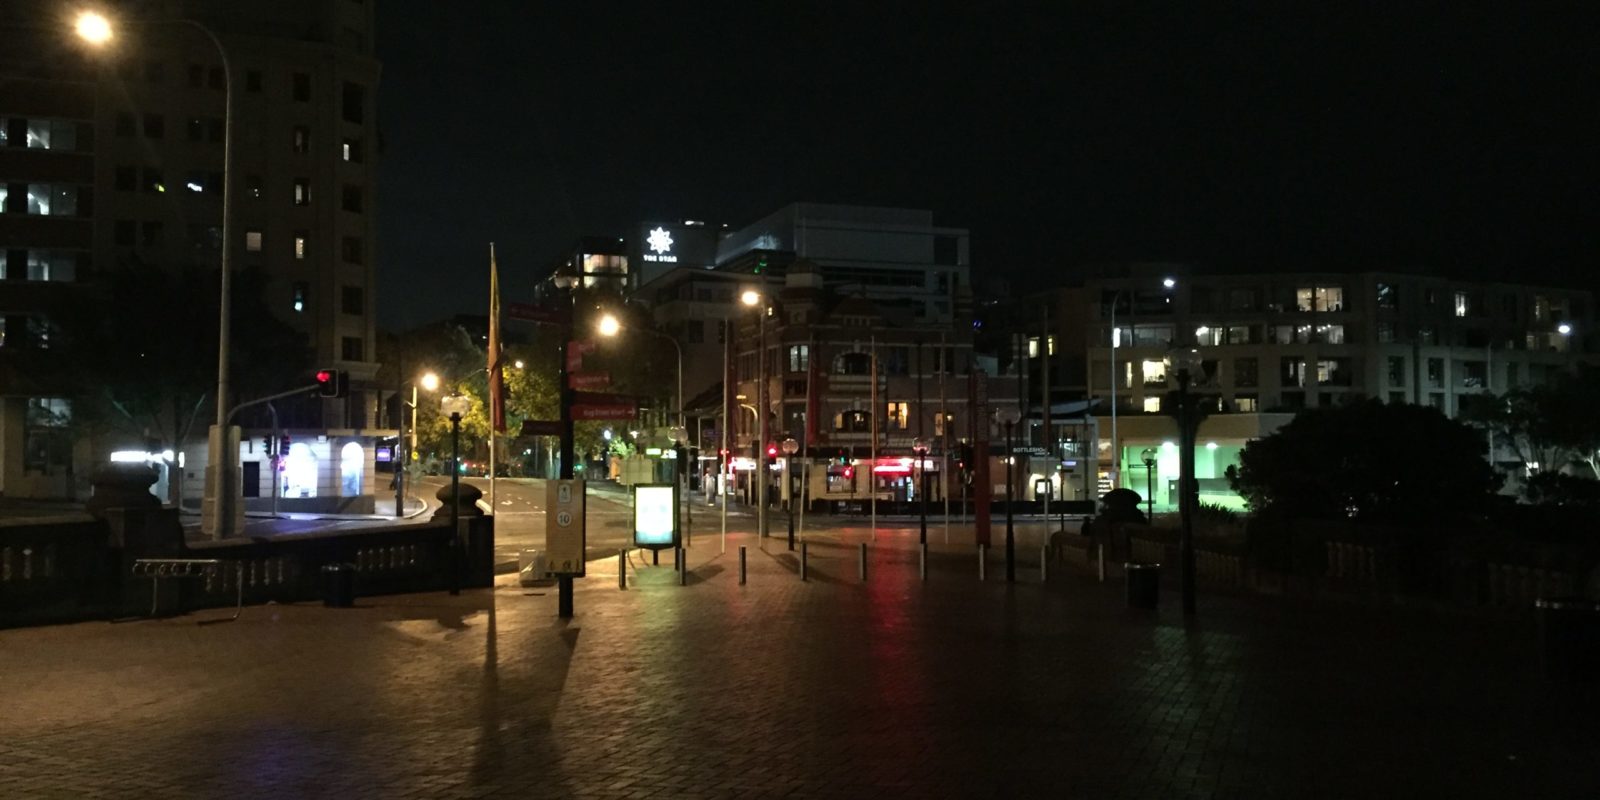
<point>591,405</point>
<point>590,380</point>
<point>527,312</point>
<point>541,427</point>
<point>565,536</point>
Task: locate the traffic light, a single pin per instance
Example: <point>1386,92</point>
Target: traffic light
<point>772,451</point>
<point>333,383</point>
<point>283,445</point>
<point>266,445</point>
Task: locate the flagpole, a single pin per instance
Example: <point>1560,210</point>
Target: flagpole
<point>872,466</point>
<point>495,385</point>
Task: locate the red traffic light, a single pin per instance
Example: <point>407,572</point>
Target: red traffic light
<point>333,383</point>
<point>772,451</point>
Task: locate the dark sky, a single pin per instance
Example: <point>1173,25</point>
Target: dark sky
<point>1433,136</point>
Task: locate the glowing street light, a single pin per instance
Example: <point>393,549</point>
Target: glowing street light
<point>609,326</point>
<point>93,28</point>
<point>430,382</point>
<point>1564,329</point>
<point>750,297</point>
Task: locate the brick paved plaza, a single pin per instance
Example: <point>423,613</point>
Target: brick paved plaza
<point>829,688</point>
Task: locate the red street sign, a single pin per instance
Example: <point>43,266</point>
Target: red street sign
<point>589,380</point>
<point>527,312</point>
<point>599,399</point>
<point>606,411</point>
<point>574,361</point>
<point>581,347</point>
<point>541,427</point>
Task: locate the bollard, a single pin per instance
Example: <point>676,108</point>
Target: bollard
<point>741,565</point>
<point>983,561</point>
<point>1100,558</point>
<point>802,561</point>
<point>655,558</point>
<point>922,562</point>
<point>677,559</point>
<point>1044,564</point>
<point>622,568</point>
<point>683,567</point>
<point>863,562</point>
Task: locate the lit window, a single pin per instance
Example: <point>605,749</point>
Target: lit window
<point>48,134</point>
<point>299,297</point>
<point>899,415</point>
<point>1154,372</point>
<point>350,150</point>
<point>799,357</point>
<point>1461,304</point>
<point>1152,405</point>
<point>252,241</point>
<point>302,191</point>
<point>50,265</point>
<point>300,246</point>
<point>1247,404</point>
<point>302,139</point>
<point>52,199</point>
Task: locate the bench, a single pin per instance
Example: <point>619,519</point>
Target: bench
<point>157,568</point>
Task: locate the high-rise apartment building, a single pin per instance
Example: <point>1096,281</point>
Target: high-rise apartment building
<point>114,154</point>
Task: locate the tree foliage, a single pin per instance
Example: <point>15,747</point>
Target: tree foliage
<point>639,364</point>
<point>1551,426</point>
<point>1370,461</point>
<point>141,349</point>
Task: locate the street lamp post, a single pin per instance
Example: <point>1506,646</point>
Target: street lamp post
<point>790,447</point>
<point>1186,364</point>
<point>1008,417</point>
<point>755,299</point>
<point>97,30</point>
<point>455,406</point>
<point>920,447</point>
<point>404,453</point>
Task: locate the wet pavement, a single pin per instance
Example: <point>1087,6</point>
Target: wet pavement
<point>781,688</point>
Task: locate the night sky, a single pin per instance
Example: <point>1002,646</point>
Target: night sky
<point>1462,142</point>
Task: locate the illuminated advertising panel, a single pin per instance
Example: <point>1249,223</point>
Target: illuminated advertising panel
<point>655,515</point>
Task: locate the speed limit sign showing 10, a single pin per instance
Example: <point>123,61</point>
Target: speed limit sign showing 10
<point>565,539</point>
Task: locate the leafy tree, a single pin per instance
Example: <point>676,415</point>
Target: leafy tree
<point>1550,426</point>
<point>1370,461</point>
<point>140,349</point>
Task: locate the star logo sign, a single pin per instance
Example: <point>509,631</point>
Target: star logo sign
<point>660,241</point>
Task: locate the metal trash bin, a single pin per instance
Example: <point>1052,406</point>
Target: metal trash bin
<point>1569,638</point>
<point>339,585</point>
<point>1144,584</point>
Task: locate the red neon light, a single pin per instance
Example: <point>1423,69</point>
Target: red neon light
<point>893,469</point>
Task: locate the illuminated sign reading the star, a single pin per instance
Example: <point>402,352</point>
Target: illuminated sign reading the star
<point>660,241</point>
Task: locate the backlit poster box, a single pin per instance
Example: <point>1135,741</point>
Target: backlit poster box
<point>655,515</point>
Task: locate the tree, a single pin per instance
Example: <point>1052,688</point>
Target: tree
<point>1551,426</point>
<point>1370,461</point>
<point>141,350</point>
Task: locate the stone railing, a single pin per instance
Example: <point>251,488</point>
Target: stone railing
<point>56,571</point>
